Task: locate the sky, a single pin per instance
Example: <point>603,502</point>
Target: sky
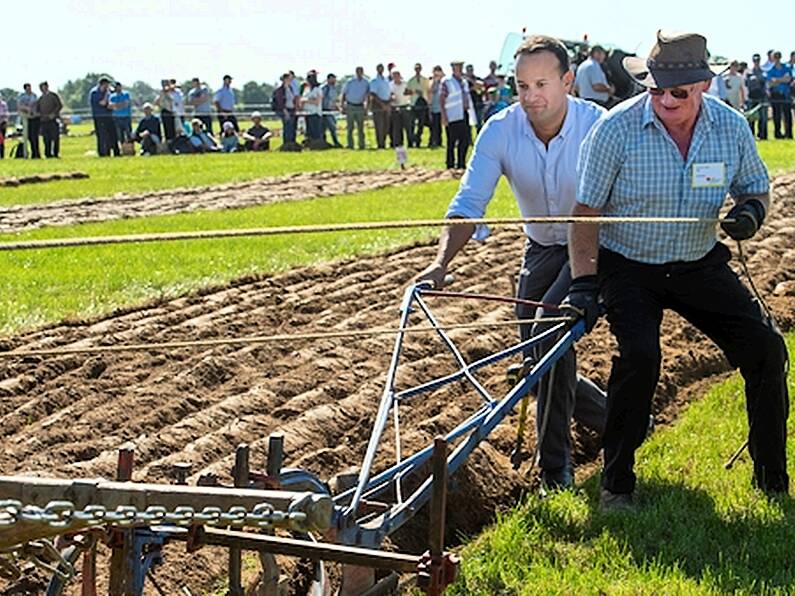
<point>154,39</point>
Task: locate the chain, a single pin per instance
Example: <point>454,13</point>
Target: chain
<point>64,515</point>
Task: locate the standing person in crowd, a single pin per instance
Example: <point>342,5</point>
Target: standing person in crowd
<point>257,137</point>
<point>717,86</point>
<point>296,88</point>
<point>591,82</point>
<point>779,77</point>
<point>178,101</point>
<point>436,107</point>
<point>283,103</point>
<point>456,104</point>
<point>627,167</point>
<point>3,126</point>
<point>354,102</point>
<point>735,86</point>
<point>148,131</point>
<point>535,145</point>
<point>490,80</point>
<point>99,99</point>
<point>400,99</point>
<point>165,101</point>
<point>121,105</point>
<point>769,62</point>
<point>379,104</point>
<point>26,106</point>
<point>330,105</point>
<point>476,91</point>
<point>420,89</point>
<point>312,102</point>
<point>199,98</point>
<point>49,106</point>
<point>224,101</point>
<point>756,84</point>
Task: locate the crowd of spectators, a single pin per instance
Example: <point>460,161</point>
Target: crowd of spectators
<point>401,108</point>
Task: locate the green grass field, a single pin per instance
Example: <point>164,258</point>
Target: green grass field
<point>698,529</point>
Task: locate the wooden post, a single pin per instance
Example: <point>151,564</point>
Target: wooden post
<point>275,454</point>
<point>119,538</point>
<point>241,481</point>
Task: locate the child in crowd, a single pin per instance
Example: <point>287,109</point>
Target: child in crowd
<point>229,138</point>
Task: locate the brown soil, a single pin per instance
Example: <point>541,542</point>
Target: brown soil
<point>66,416</point>
<point>38,178</point>
<point>292,187</point>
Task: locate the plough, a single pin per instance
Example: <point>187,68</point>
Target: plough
<point>136,520</point>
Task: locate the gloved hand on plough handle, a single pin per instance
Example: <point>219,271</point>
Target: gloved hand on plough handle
<point>744,219</point>
<point>583,300</point>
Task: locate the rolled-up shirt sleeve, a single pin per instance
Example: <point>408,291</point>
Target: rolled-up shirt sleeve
<point>751,176</point>
<point>479,181</point>
<point>598,165</point>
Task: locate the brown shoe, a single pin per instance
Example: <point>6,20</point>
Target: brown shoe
<point>609,501</point>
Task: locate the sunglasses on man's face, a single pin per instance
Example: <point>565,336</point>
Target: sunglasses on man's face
<point>676,92</point>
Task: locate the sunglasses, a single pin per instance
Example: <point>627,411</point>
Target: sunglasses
<point>676,92</point>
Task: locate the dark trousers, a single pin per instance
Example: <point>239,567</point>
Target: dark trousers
<point>457,143</point>
<point>227,118</point>
<point>207,120</point>
<point>3,126</point>
<point>419,116</point>
<point>436,130</point>
<point>105,130</point>
<point>759,126</point>
<point>546,276</point>
<point>401,122</point>
<point>288,127</point>
<point>314,127</point>
<point>168,118</point>
<point>123,126</point>
<point>381,123</point>
<point>51,134</point>
<point>782,112</point>
<point>34,125</point>
<point>709,295</point>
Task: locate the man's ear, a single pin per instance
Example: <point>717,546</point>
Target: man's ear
<point>568,78</point>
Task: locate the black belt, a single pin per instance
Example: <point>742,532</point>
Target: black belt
<point>357,105</point>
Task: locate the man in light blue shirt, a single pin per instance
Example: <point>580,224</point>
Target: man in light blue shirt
<point>354,103</point>
<point>119,101</point>
<point>199,98</point>
<point>224,101</point>
<point>674,152</point>
<point>535,144</point>
<point>591,82</point>
<point>380,105</point>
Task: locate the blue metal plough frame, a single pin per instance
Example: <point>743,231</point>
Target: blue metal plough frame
<point>370,530</point>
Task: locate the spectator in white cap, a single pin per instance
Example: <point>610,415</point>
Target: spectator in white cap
<point>229,138</point>
<point>257,138</point>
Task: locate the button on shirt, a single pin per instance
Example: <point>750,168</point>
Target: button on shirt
<point>630,166</point>
<point>543,179</point>
<point>356,90</point>
<point>225,98</point>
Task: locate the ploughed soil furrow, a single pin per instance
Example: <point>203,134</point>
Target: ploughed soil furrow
<point>66,416</point>
<point>292,187</point>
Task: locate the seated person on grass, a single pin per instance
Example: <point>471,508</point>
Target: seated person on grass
<point>200,141</point>
<point>229,138</point>
<point>148,132</point>
<point>257,137</point>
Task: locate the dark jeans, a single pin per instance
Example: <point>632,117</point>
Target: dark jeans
<point>288,127</point>
<point>782,112</point>
<point>207,120</point>
<point>458,138</point>
<point>168,118</point>
<point>227,118</point>
<point>381,123</point>
<point>123,126</point>
<point>34,125</point>
<point>419,116</point>
<point>105,130</point>
<point>314,127</point>
<point>709,295</point>
<point>546,276</point>
<point>761,123</point>
<point>401,122</point>
<point>51,133</point>
<point>330,125</point>
<point>436,130</point>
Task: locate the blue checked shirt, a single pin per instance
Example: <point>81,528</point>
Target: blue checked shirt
<point>630,166</point>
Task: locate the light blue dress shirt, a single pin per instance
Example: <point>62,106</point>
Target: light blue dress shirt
<point>380,87</point>
<point>225,97</point>
<point>543,179</point>
<point>630,166</point>
<point>356,90</point>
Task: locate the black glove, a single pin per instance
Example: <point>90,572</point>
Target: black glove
<point>747,216</point>
<point>583,300</point>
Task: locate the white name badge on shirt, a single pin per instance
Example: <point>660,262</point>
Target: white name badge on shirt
<point>709,175</point>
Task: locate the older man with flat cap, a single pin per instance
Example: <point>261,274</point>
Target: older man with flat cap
<point>674,152</point>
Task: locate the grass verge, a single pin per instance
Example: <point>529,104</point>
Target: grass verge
<point>45,286</point>
<point>699,529</point>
